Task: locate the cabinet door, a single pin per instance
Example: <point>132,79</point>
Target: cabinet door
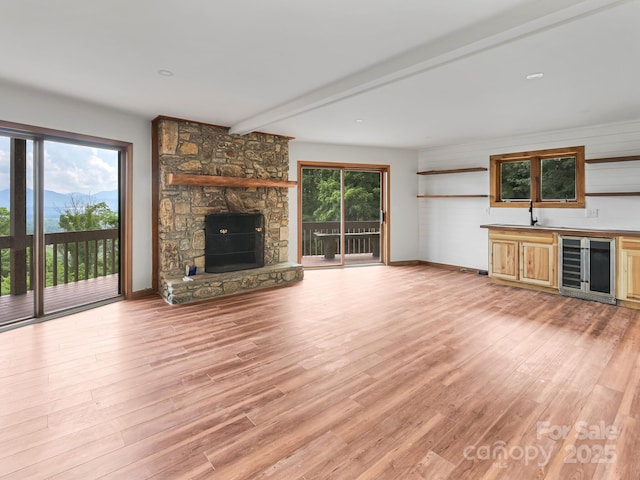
<point>630,269</point>
<point>538,264</point>
<point>503,259</point>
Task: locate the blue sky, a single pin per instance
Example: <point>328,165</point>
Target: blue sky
<point>68,168</point>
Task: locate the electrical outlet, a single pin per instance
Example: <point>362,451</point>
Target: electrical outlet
<point>591,213</point>
<point>487,211</point>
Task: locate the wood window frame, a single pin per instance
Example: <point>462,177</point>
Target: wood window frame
<point>535,157</point>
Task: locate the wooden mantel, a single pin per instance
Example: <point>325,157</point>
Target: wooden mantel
<point>218,181</point>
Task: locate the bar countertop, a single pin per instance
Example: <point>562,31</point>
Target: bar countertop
<point>604,232</point>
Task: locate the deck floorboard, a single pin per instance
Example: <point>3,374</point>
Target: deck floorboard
<point>59,297</point>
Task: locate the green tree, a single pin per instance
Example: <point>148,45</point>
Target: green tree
<point>515,180</point>
<point>4,222</point>
<point>86,215</point>
<point>312,178</point>
<point>362,196</point>
<point>5,279</point>
<point>82,215</point>
<point>321,195</point>
<point>328,196</point>
<point>558,178</point>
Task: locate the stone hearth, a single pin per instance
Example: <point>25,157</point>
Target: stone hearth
<point>209,285</point>
<point>185,147</point>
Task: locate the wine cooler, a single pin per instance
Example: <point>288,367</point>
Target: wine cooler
<point>587,268</point>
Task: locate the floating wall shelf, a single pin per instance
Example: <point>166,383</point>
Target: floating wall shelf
<point>453,170</point>
<point>614,159</point>
<point>630,158</point>
<point>613,194</point>
<point>217,181</point>
<point>453,196</point>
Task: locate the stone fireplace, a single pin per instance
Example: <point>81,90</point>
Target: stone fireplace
<point>201,170</point>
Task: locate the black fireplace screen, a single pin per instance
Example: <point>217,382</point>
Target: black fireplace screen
<point>234,241</point>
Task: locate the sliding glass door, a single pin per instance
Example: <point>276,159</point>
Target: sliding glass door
<point>59,225</point>
<point>321,217</point>
<point>341,215</point>
<point>363,216</point>
<point>16,229</point>
<point>81,225</point>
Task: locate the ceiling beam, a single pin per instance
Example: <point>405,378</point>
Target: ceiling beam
<point>507,27</point>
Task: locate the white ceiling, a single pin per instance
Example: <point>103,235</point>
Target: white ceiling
<point>418,73</point>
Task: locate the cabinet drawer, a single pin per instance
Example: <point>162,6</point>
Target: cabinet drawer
<point>626,243</point>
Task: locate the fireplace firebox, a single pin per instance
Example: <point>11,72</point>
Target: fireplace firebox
<point>233,242</point>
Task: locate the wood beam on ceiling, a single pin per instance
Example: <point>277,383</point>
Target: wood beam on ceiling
<point>511,25</point>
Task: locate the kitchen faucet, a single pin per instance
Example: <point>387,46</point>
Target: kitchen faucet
<point>533,220</point>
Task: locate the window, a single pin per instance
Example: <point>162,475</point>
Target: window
<point>551,178</point>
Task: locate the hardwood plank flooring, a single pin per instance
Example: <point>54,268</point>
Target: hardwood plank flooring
<point>359,373</point>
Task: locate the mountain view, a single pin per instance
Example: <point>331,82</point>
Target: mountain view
<point>56,203</point>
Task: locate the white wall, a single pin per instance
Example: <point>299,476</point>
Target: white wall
<point>449,228</point>
<point>437,230</point>
<point>403,190</point>
<point>20,104</point>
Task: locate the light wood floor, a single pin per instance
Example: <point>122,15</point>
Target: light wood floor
<point>374,373</point>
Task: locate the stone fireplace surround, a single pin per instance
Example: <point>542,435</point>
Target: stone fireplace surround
<point>185,147</point>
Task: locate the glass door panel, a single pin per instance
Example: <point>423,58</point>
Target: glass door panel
<point>321,217</point>
<point>16,229</point>
<point>81,225</point>
<point>362,210</point>
<point>600,259</point>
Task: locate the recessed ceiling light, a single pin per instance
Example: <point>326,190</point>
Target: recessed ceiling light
<point>534,76</point>
<point>359,120</point>
<point>165,73</point>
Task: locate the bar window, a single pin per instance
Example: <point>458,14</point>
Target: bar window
<point>551,178</point>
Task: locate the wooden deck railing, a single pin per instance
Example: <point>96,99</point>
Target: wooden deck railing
<point>313,246</point>
<point>70,257</point>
